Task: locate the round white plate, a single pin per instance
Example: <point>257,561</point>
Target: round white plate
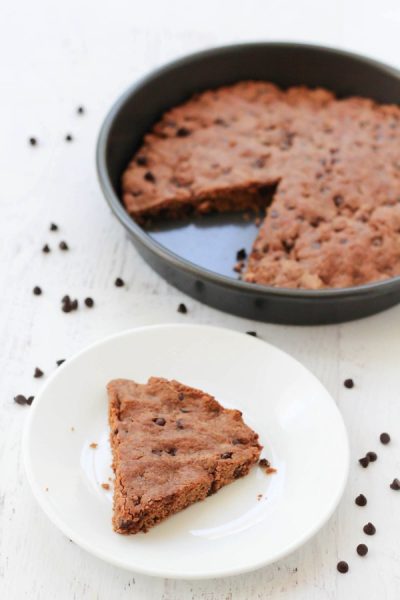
<point>255,520</point>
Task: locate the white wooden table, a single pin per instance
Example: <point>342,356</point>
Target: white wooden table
<point>55,57</point>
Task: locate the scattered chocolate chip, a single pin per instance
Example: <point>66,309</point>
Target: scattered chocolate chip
<point>68,305</point>
<point>348,383</point>
<point>37,290</point>
<point>361,500</point>
<point>89,302</point>
<point>119,282</point>
<point>183,132</point>
<point>364,462</point>
<point>172,451</point>
<point>395,485</point>
<point>362,549</point>
<point>33,141</point>
<point>63,246</point>
<point>264,463</point>
<point>369,529</point>
<point>53,227</point>
<point>384,438</point>
<point>80,110</point>
<point>372,456</point>
<point>38,373</point>
<point>20,399</point>
<point>68,137</point>
<point>159,421</point>
<point>179,424</point>
<point>226,455</point>
<point>149,177</point>
<point>141,160</point>
<point>181,396</point>
<point>342,566</point>
<point>182,308</point>
<point>30,399</point>
<point>60,361</point>
<point>46,249</point>
<point>252,333</point>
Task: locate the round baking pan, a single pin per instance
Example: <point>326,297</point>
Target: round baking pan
<point>197,256</point>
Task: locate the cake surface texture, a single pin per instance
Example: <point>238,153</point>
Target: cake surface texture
<point>327,171</point>
<point>172,446</point>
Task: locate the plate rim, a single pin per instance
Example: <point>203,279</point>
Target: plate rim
<point>52,515</point>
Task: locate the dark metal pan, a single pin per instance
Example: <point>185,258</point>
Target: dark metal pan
<point>197,256</point>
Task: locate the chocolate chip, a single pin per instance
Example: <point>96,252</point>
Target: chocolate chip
<point>68,137</point>
<point>239,472</point>
<point>68,305</point>
<point>119,282</point>
<point>33,141</point>
<point>46,249</point>
<point>264,463</point>
<point>80,110</point>
<point>63,245</point>
<point>372,456</point>
<point>20,399</point>
<point>148,176</point>
<point>377,241</point>
<point>172,451</point>
<point>342,566</point>
<point>364,462</point>
<point>89,302</point>
<point>361,500</point>
<point>362,549</point>
<point>384,438</point>
<point>179,424</point>
<point>287,245</point>
<point>369,529</point>
<point>219,121</point>
<point>141,160</point>
<point>159,421</point>
<point>348,383</point>
<point>181,396</point>
<point>395,485</point>
<point>183,132</point>
<point>252,333</point>
<point>38,373</point>
<point>182,308</point>
<point>212,489</point>
<point>60,361</point>
<point>30,399</point>
<point>157,452</point>
<point>241,254</point>
<point>338,200</point>
<point>226,455</point>
<point>37,290</point>
<point>53,227</point>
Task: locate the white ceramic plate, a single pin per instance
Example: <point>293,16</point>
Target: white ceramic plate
<point>255,520</point>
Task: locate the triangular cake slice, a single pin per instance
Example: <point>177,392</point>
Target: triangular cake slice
<point>172,446</point>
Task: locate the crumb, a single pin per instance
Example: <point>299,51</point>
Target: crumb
<point>46,489</point>
<point>271,470</point>
<point>72,428</point>
<point>259,496</point>
<point>238,268</point>
<point>93,445</point>
<point>105,486</point>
